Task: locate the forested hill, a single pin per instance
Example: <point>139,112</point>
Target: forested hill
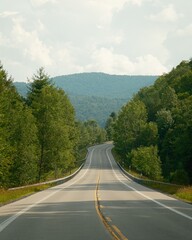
<point>153,131</point>
<point>103,85</point>
<point>96,95</point>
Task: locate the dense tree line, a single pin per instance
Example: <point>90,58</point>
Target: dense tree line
<point>39,135</point>
<point>96,95</point>
<point>153,131</point>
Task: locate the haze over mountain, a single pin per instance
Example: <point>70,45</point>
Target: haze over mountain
<point>96,95</point>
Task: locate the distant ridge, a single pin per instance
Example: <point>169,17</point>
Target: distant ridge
<point>102,84</point>
<point>96,95</point>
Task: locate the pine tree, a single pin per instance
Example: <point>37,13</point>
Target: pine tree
<point>55,121</point>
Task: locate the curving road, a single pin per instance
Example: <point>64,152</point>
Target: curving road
<point>98,203</point>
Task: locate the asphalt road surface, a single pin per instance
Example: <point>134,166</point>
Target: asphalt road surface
<point>98,203</point>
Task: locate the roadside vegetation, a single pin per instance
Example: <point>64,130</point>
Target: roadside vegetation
<point>152,133</point>
<point>7,196</point>
<point>183,193</point>
<point>10,195</point>
<point>40,138</point>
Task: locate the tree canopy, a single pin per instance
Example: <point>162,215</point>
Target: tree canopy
<point>39,136</point>
<point>159,117</point>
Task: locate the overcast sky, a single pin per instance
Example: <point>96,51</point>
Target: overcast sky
<point>112,36</point>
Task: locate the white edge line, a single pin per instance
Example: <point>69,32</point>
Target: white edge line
<point>5,223</point>
<point>153,200</point>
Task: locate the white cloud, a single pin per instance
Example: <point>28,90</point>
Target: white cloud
<point>106,8</point>
<point>32,47</point>
<point>8,14</point>
<point>38,3</point>
<point>186,31</point>
<point>168,14</point>
<point>3,40</point>
<point>149,65</point>
<point>66,60</point>
<point>113,36</point>
<point>105,60</point>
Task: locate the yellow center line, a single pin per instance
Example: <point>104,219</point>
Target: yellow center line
<point>113,230</point>
<point>119,232</point>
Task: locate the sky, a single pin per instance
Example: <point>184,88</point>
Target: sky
<point>126,37</point>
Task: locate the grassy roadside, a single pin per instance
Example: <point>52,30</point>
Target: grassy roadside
<point>183,193</point>
<point>8,196</point>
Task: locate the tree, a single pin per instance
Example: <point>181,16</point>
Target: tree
<point>23,139</point>
<point>146,161</point>
<point>55,121</point>
<point>130,124</point>
<point>109,126</point>
<point>18,137</point>
<point>37,83</point>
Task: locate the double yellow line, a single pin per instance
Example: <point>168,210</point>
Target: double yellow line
<point>113,230</point>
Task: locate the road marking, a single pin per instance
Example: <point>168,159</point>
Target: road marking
<point>108,219</point>
<point>115,232</point>
<point>145,196</point>
<point>8,221</point>
<point>119,232</point>
<point>100,214</point>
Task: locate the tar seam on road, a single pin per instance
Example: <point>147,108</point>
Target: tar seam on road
<point>8,221</point>
<point>143,195</point>
<point>113,230</point>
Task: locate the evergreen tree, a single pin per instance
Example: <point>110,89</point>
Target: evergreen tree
<point>55,121</point>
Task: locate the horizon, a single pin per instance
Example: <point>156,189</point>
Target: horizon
<point>81,73</point>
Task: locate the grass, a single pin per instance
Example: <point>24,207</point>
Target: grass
<point>7,196</point>
<point>183,193</point>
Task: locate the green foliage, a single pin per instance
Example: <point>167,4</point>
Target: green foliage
<point>90,134</point>
<point>39,136</point>
<point>7,196</point>
<point>180,176</point>
<point>101,84</point>
<point>146,161</point>
<point>18,137</point>
<point>23,140</point>
<point>109,127</point>
<point>55,121</point>
<point>38,82</point>
<point>132,129</point>
<point>96,95</point>
<point>167,109</point>
<point>97,108</point>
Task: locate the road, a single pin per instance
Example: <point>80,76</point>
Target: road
<point>98,203</point>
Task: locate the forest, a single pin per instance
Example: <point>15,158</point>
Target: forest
<point>96,95</point>
<point>152,133</point>
<point>40,137</point>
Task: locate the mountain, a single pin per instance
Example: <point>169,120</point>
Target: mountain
<point>103,85</point>
<point>96,95</point>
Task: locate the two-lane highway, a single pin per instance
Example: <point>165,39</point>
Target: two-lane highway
<point>98,203</point>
